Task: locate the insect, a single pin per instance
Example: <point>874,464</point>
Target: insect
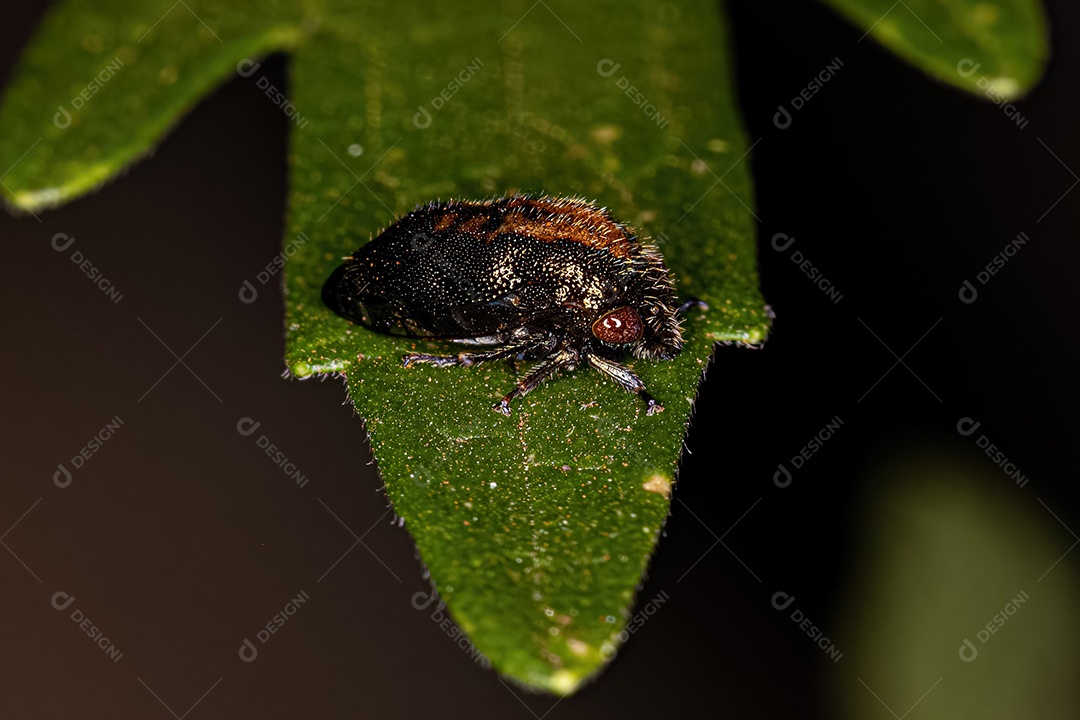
<point>557,280</point>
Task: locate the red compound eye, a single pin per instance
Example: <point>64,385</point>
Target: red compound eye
<point>621,325</point>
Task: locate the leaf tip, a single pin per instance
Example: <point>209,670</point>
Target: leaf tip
<point>564,682</point>
<point>301,369</point>
<point>1008,87</point>
<point>25,202</point>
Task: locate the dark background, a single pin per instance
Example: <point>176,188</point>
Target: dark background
<point>179,538</point>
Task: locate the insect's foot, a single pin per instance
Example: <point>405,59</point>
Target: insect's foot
<point>692,302</point>
<point>503,406</point>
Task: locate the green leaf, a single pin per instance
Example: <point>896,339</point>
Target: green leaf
<point>998,48</point>
<point>961,604</point>
<point>536,528</point>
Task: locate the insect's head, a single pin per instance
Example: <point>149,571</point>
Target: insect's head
<point>649,330</point>
<point>641,316</point>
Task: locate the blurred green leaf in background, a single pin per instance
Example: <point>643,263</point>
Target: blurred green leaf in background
<point>960,604</point>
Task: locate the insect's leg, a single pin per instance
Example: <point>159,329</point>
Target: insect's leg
<point>561,359</point>
<point>465,358</point>
<point>541,345</point>
<point>626,378</point>
<point>692,302</point>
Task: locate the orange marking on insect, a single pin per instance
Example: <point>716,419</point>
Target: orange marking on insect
<point>566,219</point>
<point>473,224</point>
<point>444,222</point>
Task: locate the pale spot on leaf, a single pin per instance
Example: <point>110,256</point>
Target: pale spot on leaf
<point>658,484</point>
